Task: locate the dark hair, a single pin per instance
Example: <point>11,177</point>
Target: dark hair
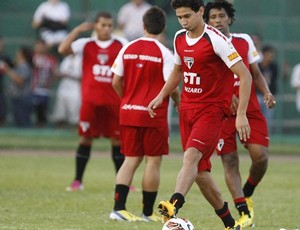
<point>219,4</point>
<point>193,4</point>
<point>27,54</point>
<point>268,48</point>
<point>102,14</point>
<point>154,20</point>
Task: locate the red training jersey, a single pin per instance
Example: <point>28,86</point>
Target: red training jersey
<point>205,63</point>
<point>245,47</point>
<point>97,59</point>
<point>145,64</point>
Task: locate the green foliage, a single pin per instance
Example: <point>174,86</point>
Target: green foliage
<point>33,196</point>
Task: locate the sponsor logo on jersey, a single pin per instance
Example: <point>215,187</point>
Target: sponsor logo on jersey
<point>189,61</point>
<point>134,107</point>
<point>102,58</point>
<point>255,53</point>
<point>102,70</point>
<point>143,57</point>
<point>233,56</point>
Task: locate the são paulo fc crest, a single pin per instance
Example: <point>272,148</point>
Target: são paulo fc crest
<point>189,61</point>
<point>102,58</point>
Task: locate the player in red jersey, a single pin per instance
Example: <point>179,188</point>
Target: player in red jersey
<point>205,58</point>
<point>220,14</point>
<point>99,113</point>
<point>140,71</point>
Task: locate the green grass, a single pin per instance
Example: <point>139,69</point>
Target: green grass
<point>37,165</point>
<point>32,194</point>
<point>54,139</point>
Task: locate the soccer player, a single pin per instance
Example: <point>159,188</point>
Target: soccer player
<point>140,71</point>
<point>206,59</point>
<point>99,113</point>
<point>220,14</point>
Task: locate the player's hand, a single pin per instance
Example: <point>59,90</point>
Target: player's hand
<point>234,104</point>
<point>156,102</point>
<point>84,27</point>
<point>242,127</point>
<point>269,100</point>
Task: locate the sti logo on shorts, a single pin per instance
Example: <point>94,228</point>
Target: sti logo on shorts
<point>189,61</point>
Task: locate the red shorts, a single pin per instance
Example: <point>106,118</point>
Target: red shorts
<point>98,121</point>
<point>144,141</point>
<point>259,133</point>
<point>200,128</point>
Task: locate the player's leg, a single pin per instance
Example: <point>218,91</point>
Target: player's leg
<point>87,129</point>
<point>123,181</point>
<point>155,145</point>
<point>259,157</point>
<point>117,156</point>
<point>257,146</point>
<point>234,183</point>
<point>111,128</point>
<point>185,179</point>
<point>213,195</point>
<point>133,157</point>
<point>150,184</point>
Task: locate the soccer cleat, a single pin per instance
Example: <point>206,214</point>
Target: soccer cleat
<point>75,186</point>
<point>123,215</point>
<point>250,206</point>
<point>152,218</point>
<point>167,210</point>
<point>245,220</point>
<point>237,226</point>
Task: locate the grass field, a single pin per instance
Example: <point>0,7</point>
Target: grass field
<point>36,168</point>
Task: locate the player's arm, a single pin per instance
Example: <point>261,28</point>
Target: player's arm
<point>261,84</point>
<point>117,83</point>
<point>65,46</point>
<point>242,125</point>
<point>175,95</point>
<point>169,87</point>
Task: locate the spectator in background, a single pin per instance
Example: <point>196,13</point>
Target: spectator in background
<point>295,82</point>
<point>51,19</point>
<point>4,59</point>
<point>19,87</point>
<point>130,21</point>
<point>44,72</point>
<point>269,69</point>
<point>68,95</point>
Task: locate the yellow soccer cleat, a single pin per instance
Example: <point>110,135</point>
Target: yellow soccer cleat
<point>153,218</point>
<point>123,215</point>
<point>167,210</point>
<point>250,205</point>
<point>246,221</point>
